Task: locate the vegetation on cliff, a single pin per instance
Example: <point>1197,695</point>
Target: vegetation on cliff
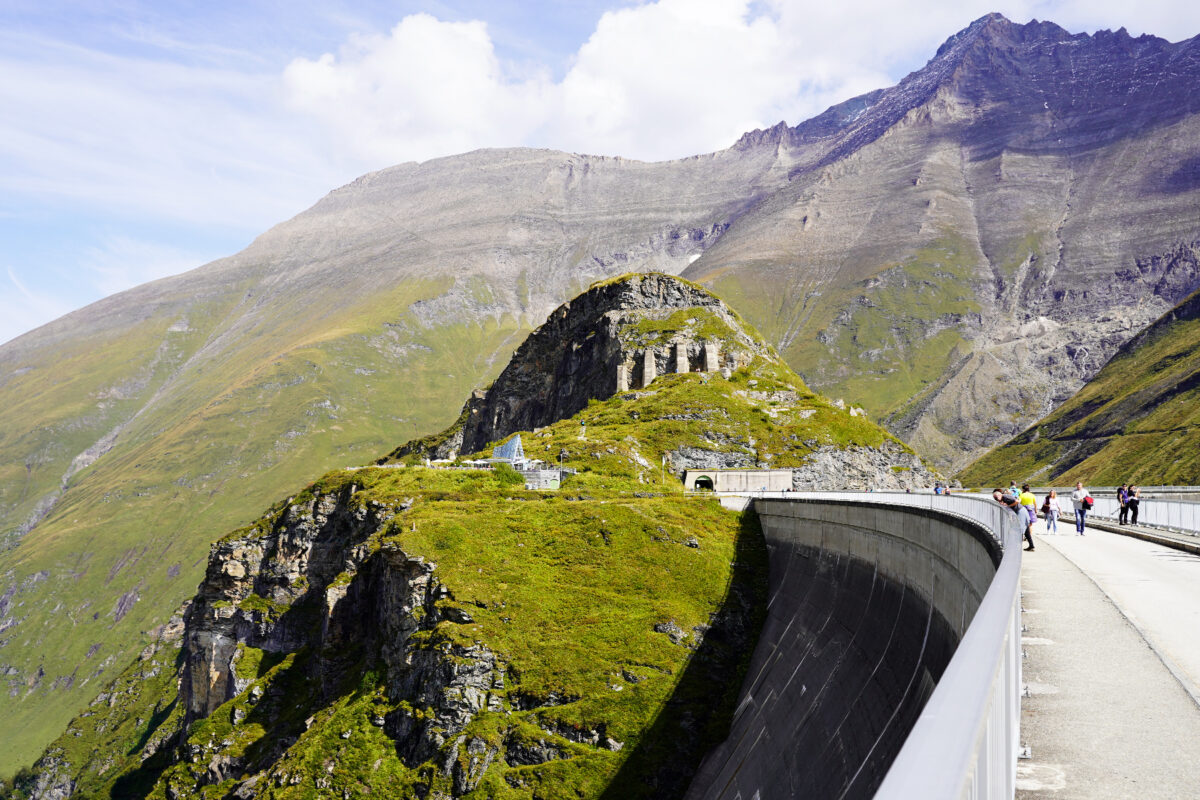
<point>611,617</point>
<point>439,631</point>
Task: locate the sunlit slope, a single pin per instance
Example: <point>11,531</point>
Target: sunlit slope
<point>619,612</point>
<point>127,538</point>
<point>188,404</point>
<point>1022,205</point>
<point>1138,420</point>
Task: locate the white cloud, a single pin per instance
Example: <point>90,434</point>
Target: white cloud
<point>661,80</point>
<point>23,308</point>
<point>429,88</point>
<point>664,79</point>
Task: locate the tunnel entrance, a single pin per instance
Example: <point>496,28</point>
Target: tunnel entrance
<point>704,483</point>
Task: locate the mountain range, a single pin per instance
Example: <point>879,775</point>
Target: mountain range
<point>958,254</point>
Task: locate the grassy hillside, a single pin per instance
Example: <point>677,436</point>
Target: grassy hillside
<point>566,587</point>
<point>566,590</point>
<point>1138,420</point>
<point>210,425</point>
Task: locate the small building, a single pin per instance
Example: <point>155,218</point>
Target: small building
<point>511,452</point>
<point>541,478</point>
<point>738,480</point>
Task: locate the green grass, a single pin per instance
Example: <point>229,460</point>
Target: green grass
<point>231,431</point>
<point>565,591</point>
<point>884,349</point>
<point>140,520</point>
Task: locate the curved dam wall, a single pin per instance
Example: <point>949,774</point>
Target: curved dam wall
<point>867,605</point>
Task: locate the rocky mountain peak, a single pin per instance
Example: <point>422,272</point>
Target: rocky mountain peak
<point>1008,69</point>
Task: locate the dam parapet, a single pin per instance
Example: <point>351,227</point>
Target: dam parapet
<point>889,664</point>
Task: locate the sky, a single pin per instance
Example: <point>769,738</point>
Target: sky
<point>140,139</point>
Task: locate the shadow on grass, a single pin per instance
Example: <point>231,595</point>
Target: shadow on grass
<point>698,714</point>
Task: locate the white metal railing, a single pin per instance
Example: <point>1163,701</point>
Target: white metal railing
<point>966,740</point>
<point>1175,515</point>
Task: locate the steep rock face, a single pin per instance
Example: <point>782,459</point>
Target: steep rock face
<point>592,344</point>
<point>1137,420</point>
<point>961,252</point>
<point>320,655</point>
<point>313,584</point>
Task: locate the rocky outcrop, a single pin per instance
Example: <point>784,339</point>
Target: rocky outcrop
<point>588,345</point>
<point>883,468</point>
<point>1135,421</point>
<point>828,468</point>
<point>312,584</point>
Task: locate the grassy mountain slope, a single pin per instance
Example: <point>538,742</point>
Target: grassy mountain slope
<point>1022,203</point>
<point>1026,202</point>
<point>230,431</point>
<point>1138,420</point>
<point>566,591</point>
<point>195,400</point>
<point>619,606</point>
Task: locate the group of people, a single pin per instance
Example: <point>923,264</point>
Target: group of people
<point>1130,497</point>
<point>1024,503</point>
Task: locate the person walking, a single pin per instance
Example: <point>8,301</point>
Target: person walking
<point>1133,500</point>
<point>1122,497</point>
<point>1053,510</point>
<point>1079,501</point>
<point>1029,511</point>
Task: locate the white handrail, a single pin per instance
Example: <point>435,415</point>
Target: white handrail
<point>966,740</point>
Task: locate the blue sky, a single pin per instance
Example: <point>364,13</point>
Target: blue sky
<point>140,139</point>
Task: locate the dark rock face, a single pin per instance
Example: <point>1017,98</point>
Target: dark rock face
<point>574,357</point>
<point>310,585</point>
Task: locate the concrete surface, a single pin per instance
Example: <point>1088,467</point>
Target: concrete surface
<point>1106,717</point>
<point>1188,542</point>
<point>866,607</point>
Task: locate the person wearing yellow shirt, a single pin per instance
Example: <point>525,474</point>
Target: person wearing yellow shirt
<point>1029,509</point>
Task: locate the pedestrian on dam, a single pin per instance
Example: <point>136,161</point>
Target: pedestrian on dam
<point>1123,500</point>
<point>1133,500</point>
<point>1053,510</point>
<point>1029,509</point>
<point>1010,501</point>
<point>1079,499</point>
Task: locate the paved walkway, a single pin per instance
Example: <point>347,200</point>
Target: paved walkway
<point>1113,668</point>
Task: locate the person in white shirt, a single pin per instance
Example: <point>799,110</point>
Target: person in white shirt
<point>1078,498</point>
<point>1053,511</point>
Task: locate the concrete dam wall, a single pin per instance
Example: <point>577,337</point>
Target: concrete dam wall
<point>866,607</point>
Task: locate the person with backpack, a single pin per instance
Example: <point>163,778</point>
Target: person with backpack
<point>1051,510</point>
<point>1122,500</point>
<point>1082,502</point>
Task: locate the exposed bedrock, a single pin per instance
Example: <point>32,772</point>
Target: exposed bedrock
<point>613,334</point>
<point>866,608</point>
